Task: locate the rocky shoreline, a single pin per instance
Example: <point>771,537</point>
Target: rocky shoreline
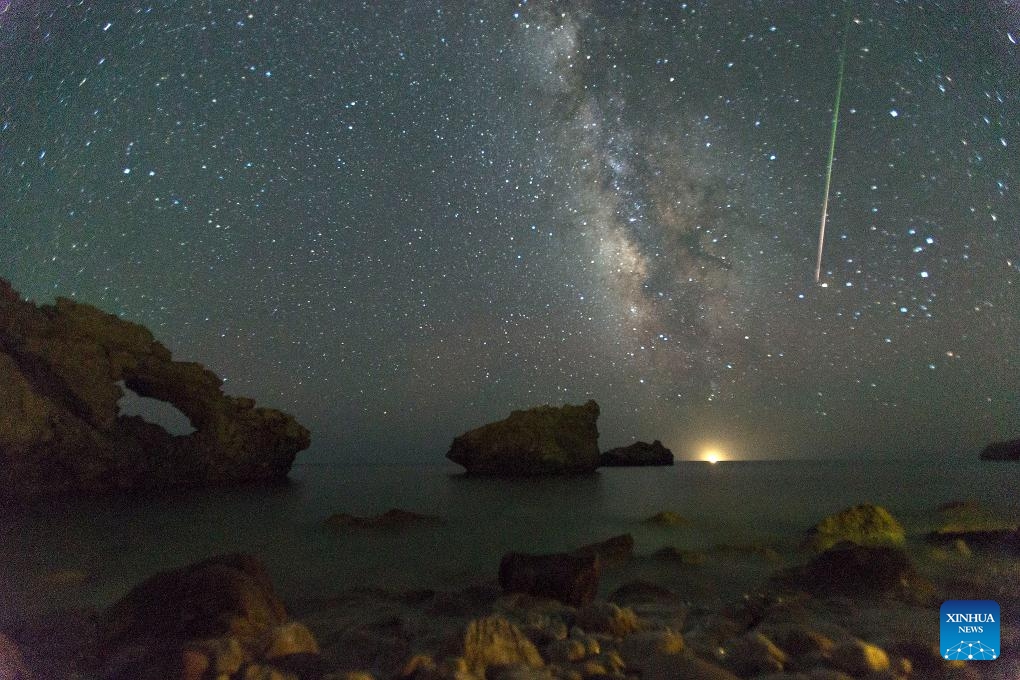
<point>858,599</point>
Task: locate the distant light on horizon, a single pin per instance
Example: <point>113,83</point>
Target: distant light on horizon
<point>713,456</point>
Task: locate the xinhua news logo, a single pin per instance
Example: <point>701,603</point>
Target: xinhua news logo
<point>969,630</point>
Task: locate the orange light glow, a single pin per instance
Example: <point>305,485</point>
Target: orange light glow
<point>713,456</point>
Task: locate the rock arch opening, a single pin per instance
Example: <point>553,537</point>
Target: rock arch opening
<point>154,411</point>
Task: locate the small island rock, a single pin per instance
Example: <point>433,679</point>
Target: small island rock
<point>637,454</point>
<point>394,518</point>
<point>544,440</point>
<point>1002,451</point>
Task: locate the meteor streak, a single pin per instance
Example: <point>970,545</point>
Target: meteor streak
<point>832,151</point>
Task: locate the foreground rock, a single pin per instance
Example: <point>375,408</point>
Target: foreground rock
<point>12,666</point>
<point>544,440</point>
<point>1002,451</point>
<point>60,428</point>
<point>862,524</point>
<point>637,454</point>
<point>571,579</point>
<point>869,572</point>
<point>392,519</point>
<point>219,615</point>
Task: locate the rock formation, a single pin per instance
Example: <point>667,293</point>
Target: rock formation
<point>544,440</point>
<point>863,524</point>
<point>60,428</point>
<point>217,617</point>
<point>638,453</point>
<point>571,579</point>
<point>1002,451</point>
<point>392,519</point>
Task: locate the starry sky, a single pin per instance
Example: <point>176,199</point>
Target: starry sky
<point>401,220</point>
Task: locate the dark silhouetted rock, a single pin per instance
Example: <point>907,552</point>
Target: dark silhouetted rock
<point>866,571</point>
<point>60,428</point>
<point>220,613</point>
<point>1005,541</point>
<point>666,518</point>
<point>612,552</point>
<point>571,579</point>
<point>545,440</point>
<point>637,454</point>
<point>394,518</point>
<point>862,524</point>
<point>224,595</point>
<point>1002,451</point>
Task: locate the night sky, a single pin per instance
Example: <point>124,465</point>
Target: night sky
<point>401,220</point>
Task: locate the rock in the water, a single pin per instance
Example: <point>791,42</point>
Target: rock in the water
<point>544,440</point>
<point>637,454</point>
<point>393,518</point>
<point>612,552</point>
<point>1002,451</point>
<point>492,642</point>
<point>667,518</point>
<point>862,524</point>
<point>866,571</point>
<point>571,579</point>
<point>1005,541</point>
<point>229,598</point>
<point>60,428</point>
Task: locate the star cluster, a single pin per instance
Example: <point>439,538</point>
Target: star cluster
<point>399,220</point>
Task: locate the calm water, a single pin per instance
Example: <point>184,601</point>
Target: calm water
<point>91,554</point>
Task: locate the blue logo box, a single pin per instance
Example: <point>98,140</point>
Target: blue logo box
<point>969,630</point>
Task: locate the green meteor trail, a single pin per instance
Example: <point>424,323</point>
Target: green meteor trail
<point>832,152</point>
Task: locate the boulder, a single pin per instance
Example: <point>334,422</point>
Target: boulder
<point>571,579</point>
<point>493,642</point>
<point>393,518</point>
<point>1009,450</point>
<point>224,607</point>
<point>608,618</point>
<point>612,552</point>
<point>61,430</point>
<point>866,571</point>
<point>637,454</point>
<point>544,440</point>
<point>862,524</point>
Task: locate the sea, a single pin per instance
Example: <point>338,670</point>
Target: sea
<point>88,554</point>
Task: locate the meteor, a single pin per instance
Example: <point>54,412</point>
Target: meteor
<point>832,152</point>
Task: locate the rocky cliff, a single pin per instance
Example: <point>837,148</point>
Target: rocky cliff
<point>60,427</point>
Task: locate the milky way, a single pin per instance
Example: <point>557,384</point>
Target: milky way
<point>400,220</point>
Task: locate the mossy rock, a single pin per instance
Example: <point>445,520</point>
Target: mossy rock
<point>862,525</point>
